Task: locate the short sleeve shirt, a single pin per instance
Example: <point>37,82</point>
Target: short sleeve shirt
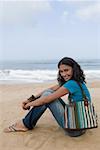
<point>75,90</point>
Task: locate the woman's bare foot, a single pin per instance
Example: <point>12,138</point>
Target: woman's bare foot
<point>17,127</point>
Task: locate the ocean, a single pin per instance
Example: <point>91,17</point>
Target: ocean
<point>42,71</point>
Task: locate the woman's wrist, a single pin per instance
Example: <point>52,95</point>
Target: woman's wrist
<point>32,98</point>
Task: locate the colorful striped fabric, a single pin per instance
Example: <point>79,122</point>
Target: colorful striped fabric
<point>79,115</point>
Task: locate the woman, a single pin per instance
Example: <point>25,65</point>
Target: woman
<point>70,76</point>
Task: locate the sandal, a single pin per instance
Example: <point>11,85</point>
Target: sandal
<point>13,128</point>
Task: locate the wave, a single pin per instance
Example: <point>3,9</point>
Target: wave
<point>38,76</point>
<point>28,75</point>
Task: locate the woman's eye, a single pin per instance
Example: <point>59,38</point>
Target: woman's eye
<point>61,71</point>
<point>66,70</point>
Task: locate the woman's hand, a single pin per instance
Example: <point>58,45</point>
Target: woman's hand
<point>28,105</point>
<point>24,103</point>
<point>30,99</point>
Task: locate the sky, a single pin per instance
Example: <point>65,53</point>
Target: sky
<point>49,29</point>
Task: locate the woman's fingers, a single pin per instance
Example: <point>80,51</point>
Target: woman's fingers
<point>25,102</point>
<point>25,105</point>
<point>28,105</point>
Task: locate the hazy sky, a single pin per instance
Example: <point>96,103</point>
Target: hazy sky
<point>49,29</point>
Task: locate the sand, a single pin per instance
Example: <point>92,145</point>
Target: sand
<point>47,135</point>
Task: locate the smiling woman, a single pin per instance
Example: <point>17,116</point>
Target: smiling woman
<point>70,75</point>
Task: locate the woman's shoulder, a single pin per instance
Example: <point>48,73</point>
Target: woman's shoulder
<point>71,83</point>
<point>74,83</point>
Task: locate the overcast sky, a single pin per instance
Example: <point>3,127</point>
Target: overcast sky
<point>49,29</point>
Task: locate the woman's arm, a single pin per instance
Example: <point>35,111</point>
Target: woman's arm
<point>54,88</point>
<point>47,99</point>
<point>32,98</point>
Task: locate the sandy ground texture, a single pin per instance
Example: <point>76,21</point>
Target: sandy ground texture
<point>47,135</point>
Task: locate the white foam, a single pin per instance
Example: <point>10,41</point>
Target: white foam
<point>38,75</point>
<point>28,75</point>
<point>92,74</point>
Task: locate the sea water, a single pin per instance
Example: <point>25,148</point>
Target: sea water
<point>42,71</point>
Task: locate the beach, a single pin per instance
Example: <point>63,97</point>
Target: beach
<point>47,135</point>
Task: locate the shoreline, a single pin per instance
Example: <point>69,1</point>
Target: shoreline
<point>90,83</point>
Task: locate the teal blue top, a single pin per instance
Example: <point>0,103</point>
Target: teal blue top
<point>75,91</point>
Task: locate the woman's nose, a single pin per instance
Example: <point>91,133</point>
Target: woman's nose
<point>63,74</point>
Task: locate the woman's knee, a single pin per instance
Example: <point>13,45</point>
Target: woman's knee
<point>47,92</point>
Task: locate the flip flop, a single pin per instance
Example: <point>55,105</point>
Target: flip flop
<point>13,128</point>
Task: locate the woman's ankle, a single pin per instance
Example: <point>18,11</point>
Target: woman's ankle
<point>20,124</point>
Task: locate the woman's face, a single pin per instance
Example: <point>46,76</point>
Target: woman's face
<point>66,72</point>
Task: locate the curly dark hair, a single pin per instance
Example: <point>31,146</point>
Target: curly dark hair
<point>78,74</point>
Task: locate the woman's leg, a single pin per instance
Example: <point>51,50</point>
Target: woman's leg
<point>29,121</point>
<point>56,107</point>
<point>35,113</point>
<point>33,116</point>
